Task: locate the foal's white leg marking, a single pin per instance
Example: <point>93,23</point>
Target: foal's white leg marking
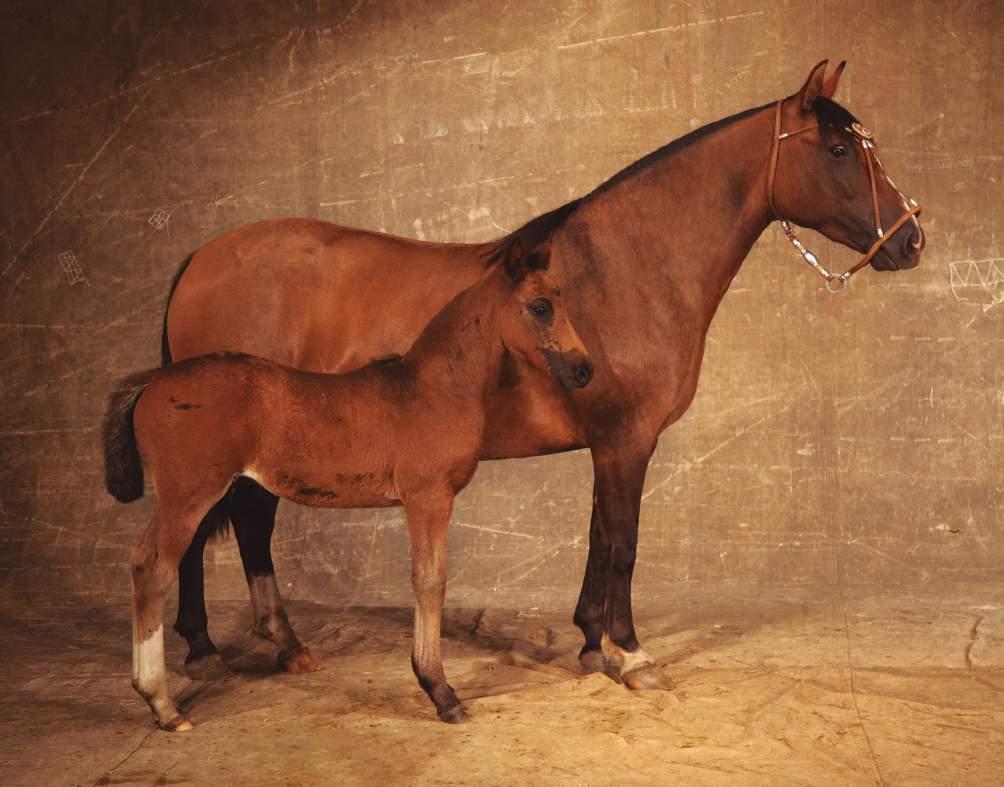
<point>149,677</point>
<point>624,660</point>
<point>148,668</point>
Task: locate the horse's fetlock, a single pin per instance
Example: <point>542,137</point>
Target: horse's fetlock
<point>622,557</point>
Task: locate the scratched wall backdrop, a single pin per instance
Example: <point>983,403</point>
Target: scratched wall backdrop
<point>833,439</point>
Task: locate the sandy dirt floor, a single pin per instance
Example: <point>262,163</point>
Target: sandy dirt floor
<point>771,687</point>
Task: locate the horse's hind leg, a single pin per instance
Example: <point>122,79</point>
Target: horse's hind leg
<point>203,661</point>
<point>253,515</point>
<point>428,520</point>
<point>154,562</point>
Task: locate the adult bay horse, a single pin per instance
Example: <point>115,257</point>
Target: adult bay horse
<point>644,261</point>
<point>404,432</point>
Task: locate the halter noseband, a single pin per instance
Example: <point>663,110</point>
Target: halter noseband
<point>864,137</point>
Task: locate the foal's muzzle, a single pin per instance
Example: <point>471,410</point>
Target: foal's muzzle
<point>573,369</point>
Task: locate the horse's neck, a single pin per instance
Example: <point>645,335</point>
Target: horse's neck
<point>460,352</point>
<point>687,219</point>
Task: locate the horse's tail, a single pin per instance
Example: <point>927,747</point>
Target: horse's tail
<point>165,345</point>
<point>123,465</point>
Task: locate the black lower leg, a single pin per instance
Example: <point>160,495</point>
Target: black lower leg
<point>193,622</point>
<point>589,612</point>
<point>253,514</point>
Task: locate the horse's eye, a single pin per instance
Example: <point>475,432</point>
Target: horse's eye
<point>541,308</point>
<point>838,151</point>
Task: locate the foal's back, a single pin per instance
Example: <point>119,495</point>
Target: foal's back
<point>323,440</point>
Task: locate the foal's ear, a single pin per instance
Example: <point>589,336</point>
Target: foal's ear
<point>518,263</point>
<point>813,86</point>
<point>830,85</point>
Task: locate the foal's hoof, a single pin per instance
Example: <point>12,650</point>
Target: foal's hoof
<point>301,661</point>
<point>178,724</point>
<point>647,677</point>
<point>454,715</point>
<point>208,667</point>
<point>592,661</point>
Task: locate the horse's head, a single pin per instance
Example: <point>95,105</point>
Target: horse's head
<point>536,325</point>
<point>826,175</point>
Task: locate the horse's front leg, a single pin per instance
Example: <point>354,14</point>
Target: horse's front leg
<point>620,467</point>
<point>589,612</point>
<point>428,519</point>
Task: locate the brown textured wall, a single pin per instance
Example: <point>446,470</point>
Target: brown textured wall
<point>833,439</point>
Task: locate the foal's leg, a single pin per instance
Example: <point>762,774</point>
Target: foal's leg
<point>428,519</point>
<point>253,514</point>
<point>620,478</point>
<point>154,562</point>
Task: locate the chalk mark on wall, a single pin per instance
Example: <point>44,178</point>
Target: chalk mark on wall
<point>974,280</point>
<point>158,220</point>
<point>71,268</point>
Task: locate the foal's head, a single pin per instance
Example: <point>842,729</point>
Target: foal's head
<point>823,180</point>
<point>535,324</point>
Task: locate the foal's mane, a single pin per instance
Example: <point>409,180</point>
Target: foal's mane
<point>538,230</point>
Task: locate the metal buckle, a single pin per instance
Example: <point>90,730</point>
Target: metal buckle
<point>860,131</point>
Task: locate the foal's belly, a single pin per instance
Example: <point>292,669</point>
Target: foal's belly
<point>335,489</point>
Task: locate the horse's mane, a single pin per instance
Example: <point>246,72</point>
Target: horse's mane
<point>538,230</point>
<point>531,235</point>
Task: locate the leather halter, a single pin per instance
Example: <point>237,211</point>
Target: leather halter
<point>864,137</point>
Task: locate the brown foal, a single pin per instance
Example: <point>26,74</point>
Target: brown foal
<point>406,431</point>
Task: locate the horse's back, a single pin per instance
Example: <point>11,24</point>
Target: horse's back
<point>314,295</point>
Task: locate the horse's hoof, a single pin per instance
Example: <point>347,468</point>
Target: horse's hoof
<point>208,667</point>
<point>648,676</point>
<point>299,662</point>
<point>592,661</point>
<point>454,715</point>
<point>178,724</point>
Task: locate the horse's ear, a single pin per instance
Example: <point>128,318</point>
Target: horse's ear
<point>518,263</point>
<point>830,85</point>
<point>813,86</point>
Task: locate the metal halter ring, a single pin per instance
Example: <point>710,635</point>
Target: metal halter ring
<point>841,277</point>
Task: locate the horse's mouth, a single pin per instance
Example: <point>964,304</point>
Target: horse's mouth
<point>885,260</point>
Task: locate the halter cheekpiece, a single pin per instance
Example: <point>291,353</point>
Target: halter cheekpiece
<point>837,282</point>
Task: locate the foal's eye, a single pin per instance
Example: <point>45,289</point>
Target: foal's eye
<point>541,308</point>
<point>838,151</point>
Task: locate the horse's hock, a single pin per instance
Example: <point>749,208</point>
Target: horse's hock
<point>820,546</point>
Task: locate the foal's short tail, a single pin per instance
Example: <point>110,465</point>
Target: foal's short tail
<point>123,466</point>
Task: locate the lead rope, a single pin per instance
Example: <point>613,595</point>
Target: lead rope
<point>864,137</point>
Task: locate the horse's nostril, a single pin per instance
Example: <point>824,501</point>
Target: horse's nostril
<point>584,374</point>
